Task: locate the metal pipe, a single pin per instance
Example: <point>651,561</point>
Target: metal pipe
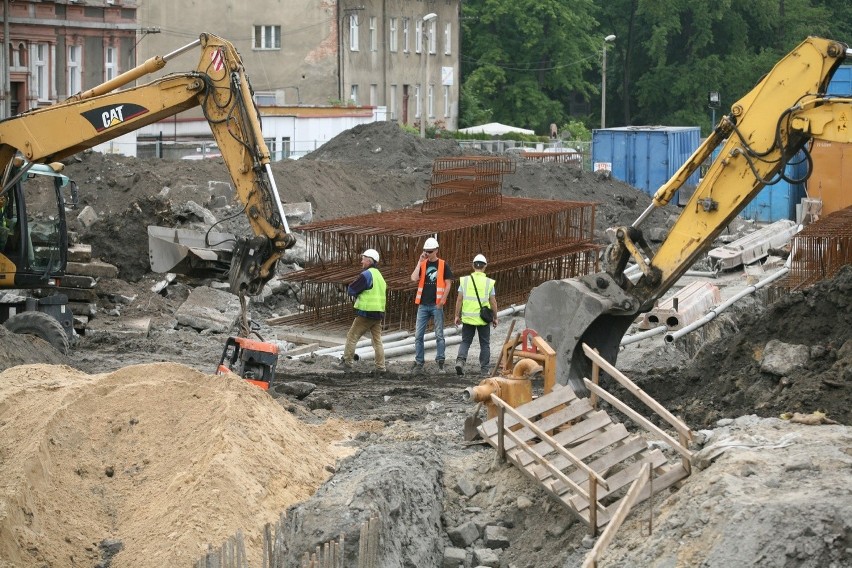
<point>670,337</point>
<point>448,331</point>
<point>525,367</point>
<point>338,348</point>
<point>628,339</point>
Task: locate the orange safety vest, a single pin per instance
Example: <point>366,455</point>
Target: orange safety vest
<point>439,283</point>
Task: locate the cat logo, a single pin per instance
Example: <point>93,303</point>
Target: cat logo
<point>107,117</point>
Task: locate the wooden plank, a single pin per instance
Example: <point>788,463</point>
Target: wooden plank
<point>620,514</point>
<point>611,435</point>
<point>301,349</point>
<point>639,419</point>
<point>672,475</point>
<point>622,478</point>
<point>676,423</point>
<point>576,409</point>
<point>594,421</point>
<point>534,408</point>
<point>632,447</point>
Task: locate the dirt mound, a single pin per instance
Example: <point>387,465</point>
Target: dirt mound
<point>725,378</point>
<point>384,145</point>
<point>16,349</point>
<point>155,460</point>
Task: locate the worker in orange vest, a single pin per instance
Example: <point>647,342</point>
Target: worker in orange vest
<point>434,279</point>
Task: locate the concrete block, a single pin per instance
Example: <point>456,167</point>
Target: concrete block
<point>206,308</point>
<point>496,537</point>
<point>454,557</point>
<point>87,216</point>
<point>683,307</point>
<point>137,328</point>
<point>94,269</point>
<point>755,246</point>
<point>486,557</point>
<point>463,535</point>
<point>80,253</point>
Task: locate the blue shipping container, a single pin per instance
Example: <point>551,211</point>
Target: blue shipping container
<point>645,156</point>
<point>841,82</point>
<point>778,201</point>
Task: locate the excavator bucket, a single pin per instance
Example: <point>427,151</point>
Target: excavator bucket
<point>592,309</point>
<point>194,253</point>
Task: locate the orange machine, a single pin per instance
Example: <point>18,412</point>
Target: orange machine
<point>252,360</point>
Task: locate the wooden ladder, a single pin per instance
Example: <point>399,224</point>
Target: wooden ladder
<point>579,455</point>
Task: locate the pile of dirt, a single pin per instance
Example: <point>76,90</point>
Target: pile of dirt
<point>18,349</point>
<point>153,460</point>
<point>372,167</point>
<point>725,379</point>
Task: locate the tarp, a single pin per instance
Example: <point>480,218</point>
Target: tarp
<point>494,129</point>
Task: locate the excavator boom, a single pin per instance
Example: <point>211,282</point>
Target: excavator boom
<point>220,87</point>
<point>763,131</point>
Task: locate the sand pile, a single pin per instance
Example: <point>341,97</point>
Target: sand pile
<point>159,458</point>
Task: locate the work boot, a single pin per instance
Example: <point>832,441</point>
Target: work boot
<point>485,373</point>
<point>441,365</point>
<point>417,368</point>
<point>459,367</point>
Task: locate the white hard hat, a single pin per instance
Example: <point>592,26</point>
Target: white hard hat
<point>371,253</point>
<point>480,258</point>
<point>430,244</point>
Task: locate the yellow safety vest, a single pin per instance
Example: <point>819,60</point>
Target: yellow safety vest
<point>373,299</point>
<point>470,305</point>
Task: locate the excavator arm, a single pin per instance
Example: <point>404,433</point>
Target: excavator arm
<point>220,87</point>
<point>763,131</point>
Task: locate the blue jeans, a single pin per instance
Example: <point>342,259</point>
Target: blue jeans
<point>424,314</point>
<point>484,332</point>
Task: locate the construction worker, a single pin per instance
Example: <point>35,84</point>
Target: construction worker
<point>434,278</point>
<point>475,291</point>
<point>369,291</point>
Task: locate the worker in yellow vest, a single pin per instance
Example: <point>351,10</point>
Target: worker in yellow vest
<point>370,292</point>
<point>475,292</point>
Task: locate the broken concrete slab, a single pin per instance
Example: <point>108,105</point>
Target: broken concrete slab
<point>209,309</point>
<point>129,328</point>
<point>95,269</point>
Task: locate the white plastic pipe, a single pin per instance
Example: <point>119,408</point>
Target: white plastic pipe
<point>410,348</point>
<point>628,339</point>
<point>449,330</point>
<point>670,337</point>
<point>362,343</point>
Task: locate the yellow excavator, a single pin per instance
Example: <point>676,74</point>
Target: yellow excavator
<point>764,130</point>
<point>43,137</point>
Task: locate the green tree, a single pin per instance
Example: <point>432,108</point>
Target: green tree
<point>525,59</point>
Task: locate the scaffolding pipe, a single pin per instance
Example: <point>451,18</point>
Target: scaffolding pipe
<point>362,343</point>
<point>671,337</point>
<point>628,339</point>
<point>406,349</point>
<point>448,331</point>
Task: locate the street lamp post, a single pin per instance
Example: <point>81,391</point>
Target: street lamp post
<point>714,102</point>
<point>424,53</point>
<point>606,40</point>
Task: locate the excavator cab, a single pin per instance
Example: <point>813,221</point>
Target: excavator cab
<point>33,236</point>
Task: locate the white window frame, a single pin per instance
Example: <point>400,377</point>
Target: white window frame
<point>353,94</point>
<point>41,87</point>
<point>418,33</point>
<point>433,39</point>
<point>446,101</point>
<point>75,69</point>
<point>430,92</point>
<point>392,102</point>
<point>393,43</point>
<point>266,37</point>
<point>448,38</point>
<point>374,46</point>
<point>417,98</point>
<point>406,33</point>
<point>110,63</point>
<point>265,98</point>
<point>353,32</point>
